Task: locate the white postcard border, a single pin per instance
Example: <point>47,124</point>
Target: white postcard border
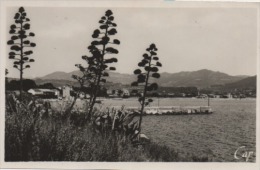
<point>120,165</point>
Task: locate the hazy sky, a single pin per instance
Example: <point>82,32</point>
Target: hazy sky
<point>188,39</point>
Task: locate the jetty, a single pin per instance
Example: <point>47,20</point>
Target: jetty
<point>172,110</point>
<point>178,110</point>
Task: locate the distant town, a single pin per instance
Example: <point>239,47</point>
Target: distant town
<point>66,92</point>
<point>197,84</point>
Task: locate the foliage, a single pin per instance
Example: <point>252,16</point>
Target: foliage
<point>15,84</point>
<point>34,132</point>
<point>86,77</point>
<point>148,69</point>
<point>46,86</point>
<point>19,42</point>
<point>6,79</point>
<point>99,61</point>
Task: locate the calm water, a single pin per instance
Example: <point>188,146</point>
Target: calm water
<point>217,135</point>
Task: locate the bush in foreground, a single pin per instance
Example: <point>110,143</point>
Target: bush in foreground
<point>32,134</point>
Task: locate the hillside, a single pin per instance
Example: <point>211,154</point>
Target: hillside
<point>201,78</point>
<point>249,83</point>
<point>56,82</point>
<point>59,75</point>
<point>113,77</point>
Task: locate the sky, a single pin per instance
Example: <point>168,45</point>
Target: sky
<point>188,39</point>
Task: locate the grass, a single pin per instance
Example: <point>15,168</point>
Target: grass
<point>33,134</point>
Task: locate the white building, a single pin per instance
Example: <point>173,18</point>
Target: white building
<point>45,93</point>
<point>66,92</point>
<point>35,92</point>
<point>125,93</point>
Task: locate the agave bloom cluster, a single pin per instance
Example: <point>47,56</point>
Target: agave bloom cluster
<point>20,40</point>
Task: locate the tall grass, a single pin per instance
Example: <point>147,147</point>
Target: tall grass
<point>40,134</point>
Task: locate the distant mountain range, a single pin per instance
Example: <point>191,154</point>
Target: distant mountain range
<point>249,83</point>
<point>201,78</point>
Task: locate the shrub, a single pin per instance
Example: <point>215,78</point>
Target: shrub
<point>32,134</point>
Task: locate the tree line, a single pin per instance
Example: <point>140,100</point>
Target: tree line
<point>27,85</point>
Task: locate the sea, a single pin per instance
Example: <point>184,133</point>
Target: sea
<point>227,135</point>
